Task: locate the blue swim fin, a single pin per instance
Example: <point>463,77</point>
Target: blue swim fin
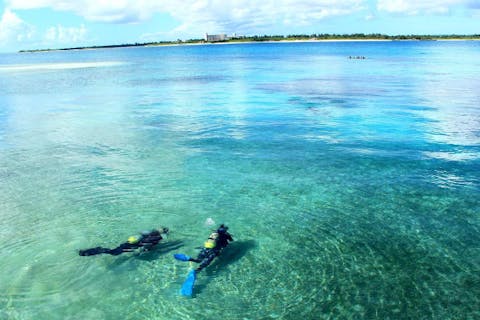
<point>181,257</point>
<point>187,287</point>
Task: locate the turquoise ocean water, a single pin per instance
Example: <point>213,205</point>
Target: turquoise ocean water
<point>351,186</point>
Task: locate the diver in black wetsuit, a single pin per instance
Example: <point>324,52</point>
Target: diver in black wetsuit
<point>214,245</point>
<point>146,241</point>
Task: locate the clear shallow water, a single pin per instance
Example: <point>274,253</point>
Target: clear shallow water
<point>351,186</point>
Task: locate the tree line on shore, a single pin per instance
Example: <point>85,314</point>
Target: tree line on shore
<point>360,36</point>
<point>294,37</point>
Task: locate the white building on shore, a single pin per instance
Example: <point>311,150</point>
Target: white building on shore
<point>216,37</point>
<point>220,37</point>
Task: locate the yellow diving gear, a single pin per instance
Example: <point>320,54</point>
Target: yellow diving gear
<point>211,242</point>
<point>132,239</point>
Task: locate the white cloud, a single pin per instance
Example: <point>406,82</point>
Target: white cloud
<point>220,15</point>
<point>415,7</point>
<point>15,33</point>
<point>14,29</point>
<point>119,11</point>
<point>61,34</point>
<point>251,15</point>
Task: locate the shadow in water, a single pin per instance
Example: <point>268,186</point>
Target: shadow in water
<point>159,250</point>
<point>231,254</point>
<point>234,252</point>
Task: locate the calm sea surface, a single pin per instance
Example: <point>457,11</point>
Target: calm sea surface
<point>351,186</point>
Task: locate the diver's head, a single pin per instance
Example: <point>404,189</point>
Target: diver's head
<point>133,239</point>
<point>164,230</point>
<point>222,229</point>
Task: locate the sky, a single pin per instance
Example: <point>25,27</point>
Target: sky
<point>42,24</point>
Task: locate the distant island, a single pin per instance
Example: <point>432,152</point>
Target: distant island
<point>277,38</point>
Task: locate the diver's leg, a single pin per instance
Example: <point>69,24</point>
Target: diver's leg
<point>124,247</point>
<point>93,251</point>
<point>116,251</point>
<point>208,259</point>
<point>200,256</point>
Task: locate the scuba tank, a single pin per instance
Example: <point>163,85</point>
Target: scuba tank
<point>211,241</point>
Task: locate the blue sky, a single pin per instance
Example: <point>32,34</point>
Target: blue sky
<point>34,24</point>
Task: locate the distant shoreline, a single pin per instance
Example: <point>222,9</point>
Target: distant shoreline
<point>269,41</point>
<point>277,39</point>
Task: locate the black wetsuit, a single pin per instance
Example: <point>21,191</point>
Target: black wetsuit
<point>146,241</point>
<point>206,255</point>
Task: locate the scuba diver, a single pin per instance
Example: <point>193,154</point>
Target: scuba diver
<point>214,245</point>
<point>216,242</point>
<point>146,241</point>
